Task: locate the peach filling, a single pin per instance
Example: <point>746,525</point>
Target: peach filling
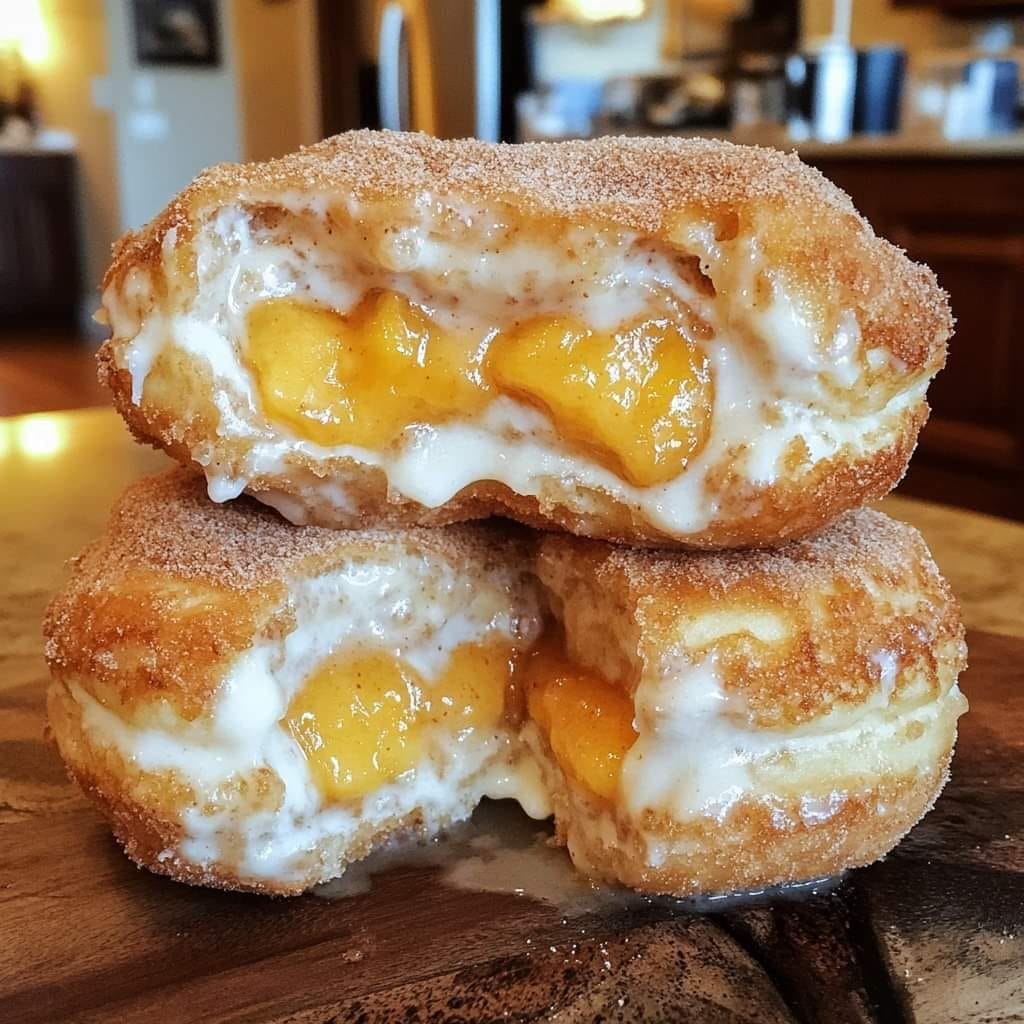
<point>363,720</point>
<point>638,400</point>
<point>586,720</point>
<point>360,379</point>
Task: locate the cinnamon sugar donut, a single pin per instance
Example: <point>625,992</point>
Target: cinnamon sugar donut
<point>780,715</point>
<point>256,706</point>
<point>661,342</point>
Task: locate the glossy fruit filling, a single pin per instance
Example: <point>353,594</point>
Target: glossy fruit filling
<point>586,720</point>
<point>366,717</point>
<point>638,400</point>
<point>363,719</point>
<point>360,379</point>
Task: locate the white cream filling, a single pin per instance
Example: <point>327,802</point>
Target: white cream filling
<point>697,754</point>
<point>696,757</point>
<point>761,406</point>
<point>374,604</point>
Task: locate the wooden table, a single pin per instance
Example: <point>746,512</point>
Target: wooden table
<point>935,933</point>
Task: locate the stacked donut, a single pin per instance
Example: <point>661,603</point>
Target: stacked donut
<point>677,368</point>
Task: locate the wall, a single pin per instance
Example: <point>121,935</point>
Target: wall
<point>171,121</point>
<point>564,50</point>
<point>160,126</point>
<point>76,52</point>
<point>670,31</point>
<point>278,82</point>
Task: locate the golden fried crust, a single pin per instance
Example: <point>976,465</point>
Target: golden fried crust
<point>802,500</point>
<point>759,843</point>
<point>829,611</point>
<point>178,587</point>
<point>643,185</point>
<point>144,813</point>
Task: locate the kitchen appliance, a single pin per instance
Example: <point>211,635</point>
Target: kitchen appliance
<point>693,97</point>
<point>966,93</point>
<point>450,69</point>
<point>697,98</point>
<point>561,110</point>
<point>758,90</point>
<point>821,83</point>
<point>879,89</point>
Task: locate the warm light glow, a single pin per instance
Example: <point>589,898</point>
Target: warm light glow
<point>23,26</point>
<point>5,438</point>
<point>597,11</point>
<point>39,437</point>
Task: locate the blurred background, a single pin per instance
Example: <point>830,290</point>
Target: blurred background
<point>915,107</point>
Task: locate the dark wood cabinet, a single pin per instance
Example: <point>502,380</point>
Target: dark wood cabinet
<point>965,218</point>
<point>39,264</point>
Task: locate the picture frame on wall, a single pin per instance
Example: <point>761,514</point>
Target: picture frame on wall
<point>177,32</point>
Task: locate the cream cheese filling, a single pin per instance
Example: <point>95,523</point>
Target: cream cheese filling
<point>697,757</point>
<point>761,406</point>
<point>697,754</point>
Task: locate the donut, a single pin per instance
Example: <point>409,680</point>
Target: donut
<point>256,706</point>
<point>770,716</point>
<point>658,342</point>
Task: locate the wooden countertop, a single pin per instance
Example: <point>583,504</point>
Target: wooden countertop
<point>935,933</point>
<point>981,556</point>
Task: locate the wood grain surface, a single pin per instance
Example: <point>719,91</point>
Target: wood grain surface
<point>41,371</point>
<point>932,935</point>
<point>935,933</point>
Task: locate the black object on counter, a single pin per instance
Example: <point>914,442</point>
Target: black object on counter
<point>881,71</point>
<point>39,271</point>
<point>801,76</point>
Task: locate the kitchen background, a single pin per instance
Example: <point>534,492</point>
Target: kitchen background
<point>108,107</point>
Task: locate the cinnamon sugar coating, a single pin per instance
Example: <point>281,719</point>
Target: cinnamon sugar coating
<point>635,183</point>
<point>178,587</point>
<point>797,631</point>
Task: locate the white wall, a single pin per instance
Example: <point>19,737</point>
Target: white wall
<point>170,122</point>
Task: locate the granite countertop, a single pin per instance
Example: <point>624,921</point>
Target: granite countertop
<point>897,146</point>
<point>909,147</point>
